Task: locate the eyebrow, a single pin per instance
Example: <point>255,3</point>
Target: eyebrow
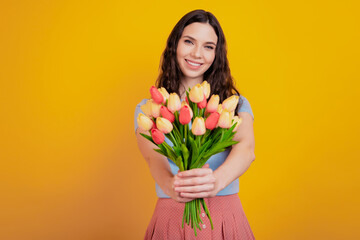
<point>195,40</point>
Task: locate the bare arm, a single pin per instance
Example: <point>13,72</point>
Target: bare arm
<point>159,167</point>
<point>241,155</point>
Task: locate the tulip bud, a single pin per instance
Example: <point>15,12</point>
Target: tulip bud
<point>230,103</point>
<point>156,95</point>
<point>225,119</point>
<point>196,94</point>
<point>213,103</point>
<point>164,125</point>
<point>198,126</point>
<point>174,103</point>
<point>206,88</point>
<point>144,122</point>
<point>165,113</point>
<point>236,120</point>
<point>212,120</point>
<point>155,109</point>
<point>157,136</point>
<point>191,112</point>
<point>164,93</point>
<point>146,108</point>
<point>185,114</point>
<point>202,104</point>
<point>219,109</point>
<point>187,100</point>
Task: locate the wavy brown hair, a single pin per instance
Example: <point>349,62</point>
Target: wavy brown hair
<point>218,74</point>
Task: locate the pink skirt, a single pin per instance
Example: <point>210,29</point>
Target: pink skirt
<point>227,214</point>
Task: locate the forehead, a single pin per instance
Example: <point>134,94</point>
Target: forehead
<point>200,31</point>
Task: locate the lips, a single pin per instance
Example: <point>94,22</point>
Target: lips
<point>193,65</point>
<point>193,62</point>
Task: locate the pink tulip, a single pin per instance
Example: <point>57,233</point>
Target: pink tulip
<point>185,115</point>
<point>154,125</point>
<point>198,127</point>
<point>187,100</point>
<point>157,136</point>
<point>156,95</point>
<point>165,113</point>
<point>213,103</point>
<point>203,103</point>
<point>212,120</point>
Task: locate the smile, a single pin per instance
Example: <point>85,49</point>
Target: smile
<point>193,64</point>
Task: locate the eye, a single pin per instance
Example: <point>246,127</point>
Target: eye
<point>210,47</point>
<point>187,41</point>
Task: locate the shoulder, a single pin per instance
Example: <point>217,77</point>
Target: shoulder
<point>245,106</point>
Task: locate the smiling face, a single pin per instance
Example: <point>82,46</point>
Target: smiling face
<point>196,51</point>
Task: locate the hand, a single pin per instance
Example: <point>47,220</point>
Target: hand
<point>197,183</point>
<point>176,195</point>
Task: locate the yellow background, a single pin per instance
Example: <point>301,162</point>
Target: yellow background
<point>72,73</point>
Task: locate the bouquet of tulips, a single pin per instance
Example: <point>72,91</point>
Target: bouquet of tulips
<point>213,126</point>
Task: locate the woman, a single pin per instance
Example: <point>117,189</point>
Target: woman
<point>196,51</point>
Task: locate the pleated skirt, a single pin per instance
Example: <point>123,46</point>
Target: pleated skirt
<point>227,214</point>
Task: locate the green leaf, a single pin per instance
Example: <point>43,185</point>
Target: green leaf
<point>161,152</point>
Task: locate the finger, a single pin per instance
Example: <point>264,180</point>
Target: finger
<point>193,181</point>
<point>195,189</point>
<point>183,199</point>
<point>196,195</point>
<point>195,172</point>
<point>206,166</point>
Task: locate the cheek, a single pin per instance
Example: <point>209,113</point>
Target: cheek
<point>180,50</point>
<point>210,57</point>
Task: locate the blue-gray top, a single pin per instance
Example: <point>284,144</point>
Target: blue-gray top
<point>214,162</point>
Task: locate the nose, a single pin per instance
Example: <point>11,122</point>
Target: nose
<point>196,52</point>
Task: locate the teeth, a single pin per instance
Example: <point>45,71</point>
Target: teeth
<point>193,64</point>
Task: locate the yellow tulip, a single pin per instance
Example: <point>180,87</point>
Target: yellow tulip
<point>206,88</point>
<point>155,109</point>
<point>164,125</point>
<point>146,108</point>
<point>144,122</point>
<point>164,93</point>
<point>196,94</point>
<point>198,126</point>
<point>237,120</point>
<point>174,103</point>
<point>219,109</point>
<point>213,103</point>
<point>225,119</point>
<point>230,103</point>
